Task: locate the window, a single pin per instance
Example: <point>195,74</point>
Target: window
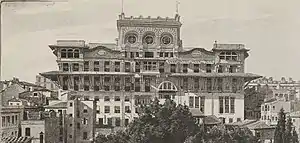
<point>161,67</point>
<point>185,68</point>
<point>117,109</point>
<point>150,66</point>
<point>70,115</point>
<point>196,84</point>
<point>196,68</point>
<point>231,56</point>
<point>185,84</point>
<point>221,102</point>
<point>220,84</point>
<point>208,68</point>
<point>147,84</point>
<point>86,66</point>
<point>109,121</point>
<point>232,108</point>
<point>3,121</point>
<point>86,83</point>
<point>117,98</point>
<point>106,109</point>
<point>85,120</point>
<point>191,101</point>
<point>232,69</point>
<point>71,104</point>
<point>85,135</point>
<point>106,66</point>
<point>117,83</point>
<point>27,131</point>
<point>107,83</point>
<point>76,83</point>
<point>230,120</point>
<point>126,122</point>
<point>100,122</point>
<point>127,109</point>
<point>173,68</point>
<point>226,104</point>
<point>96,83</point>
<point>76,53</point>
<point>106,98</point>
<point>70,136</point>
<point>137,85</point>
<point>197,102</point>
<point>63,53</point>
<point>127,83</point>
<point>96,66</point>
<point>131,55</point>
<point>238,119</point>
<point>171,54</point>
<point>234,85</point>
<point>126,98</point>
<point>220,69</point>
<point>209,84</point>
<point>117,66</point>
<point>65,83</point>
<point>13,120</point>
<point>127,66</point>
<point>70,53</point>
<point>273,107</point>
<point>118,122</point>
<point>75,67</point>
<point>149,55</point>
<point>161,54</point>
<point>137,67</point>
<point>202,103</point>
<point>137,54</point>
<point>65,67</point>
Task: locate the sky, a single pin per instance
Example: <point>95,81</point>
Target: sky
<point>269,28</point>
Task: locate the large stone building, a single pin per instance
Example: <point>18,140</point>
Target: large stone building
<point>150,61</point>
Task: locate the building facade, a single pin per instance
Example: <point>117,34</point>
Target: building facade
<point>47,83</point>
<point>149,61</point>
<point>10,121</point>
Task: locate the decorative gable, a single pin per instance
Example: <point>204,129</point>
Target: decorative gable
<point>101,53</point>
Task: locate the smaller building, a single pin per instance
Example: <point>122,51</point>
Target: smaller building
<point>10,121</point>
<point>45,82</point>
<point>271,108</point>
<point>42,129</point>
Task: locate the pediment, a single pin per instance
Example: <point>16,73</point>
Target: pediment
<point>101,52</point>
<point>198,53</point>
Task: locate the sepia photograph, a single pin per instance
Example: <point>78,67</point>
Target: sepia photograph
<point>149,71</point>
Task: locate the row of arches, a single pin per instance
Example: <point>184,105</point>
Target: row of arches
<point>148,38</point>
<point>69,53</point>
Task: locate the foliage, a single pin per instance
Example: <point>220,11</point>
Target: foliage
<point>171,123</point>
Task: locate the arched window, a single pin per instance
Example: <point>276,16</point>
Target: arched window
<point>76,53</point>
<point>167,86</point>
<point>63,53</point>
<point>70,53</point>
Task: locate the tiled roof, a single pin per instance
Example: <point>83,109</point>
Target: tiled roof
<point>58,105</point>
<point>14,100</point>
<point>211,120</point>
<point>12,139</point>
<point>196,112</point>
<point>271,100</point>
<point>259,125</point>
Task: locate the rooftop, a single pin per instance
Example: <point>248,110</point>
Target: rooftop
<point>229,47</point>
<point>58,105</point>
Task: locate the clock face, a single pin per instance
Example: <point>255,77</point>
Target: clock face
<point>166,40</point>
<point>149,39</point>
<point>131,39</point>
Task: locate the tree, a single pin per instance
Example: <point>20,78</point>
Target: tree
<point>288,131</point>
<point>295,137</point>
<point>280,128</point>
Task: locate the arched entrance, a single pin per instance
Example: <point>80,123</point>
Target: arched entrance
<point>167,90</point>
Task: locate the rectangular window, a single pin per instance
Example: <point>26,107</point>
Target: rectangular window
<point>137,85</point>
<point>107,83</point>
<point>13,120</point>
<point>106,66</point>
<point>191,101</point>
<point>148,54</point>
<point>208,68</point>
<point>226,104</point>
<point>230,120</point>
<point>161,54</point>
<point>117,83</point>
<point>196,84</point>
<point>234,85</point>
<point>106,109</point>
<point>166,54</point>
<point>109,122</point>
<point>131,55</point>
<point>71,104</point>
<point>86,83</point>
<point>185,84</point>
<point>100,122</point>
<point>76,83</point>
<point>65,83</point>
<point>118,122</point>
<point>3,121</point>
<point>221,104</point>
<point>173,68</point>
<point>196,68</point>
<point>126,122</point>
<point>137,54</point>
<point>147,84</point>
<point>209,84</point>
<point>202,103</point>
<point>96,66</point>
<point>185,68</point>
<point>220,69</point>
<point>117,66</point>
<point>161,67</point>
<point>232,107</point>
<point>127,83</point>
<point>65,67</point>
<point>127,66</point>
<point>27,132</point>
<point>96,83</point>
<point>150,66</point>
<point>197,102</point>
<point>171,54</point>
<point>117,98</point>
<point>86,66</point>
<point>220,84</point>
<point>127,109</point>
<point>75,67</point>
<point>117,109</point>
<point>137,67</point>
<point>85,135</point>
